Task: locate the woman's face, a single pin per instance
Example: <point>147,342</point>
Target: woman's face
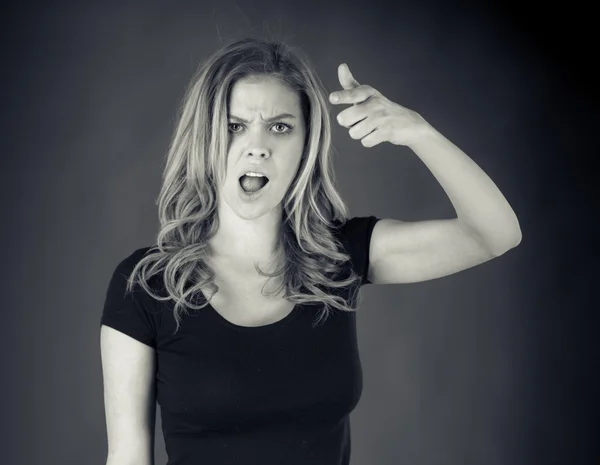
<point>266,135</point>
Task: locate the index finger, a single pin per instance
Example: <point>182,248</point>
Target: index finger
<point>356,95</point>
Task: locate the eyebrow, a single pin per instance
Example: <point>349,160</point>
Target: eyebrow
<point>268,120</point>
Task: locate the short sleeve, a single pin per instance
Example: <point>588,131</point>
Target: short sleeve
<point>356,238</point>
<point>129,313</point>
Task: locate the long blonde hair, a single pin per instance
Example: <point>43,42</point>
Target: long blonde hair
<point>196,165</point>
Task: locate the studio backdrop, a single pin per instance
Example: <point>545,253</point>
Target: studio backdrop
<point>481,366</point>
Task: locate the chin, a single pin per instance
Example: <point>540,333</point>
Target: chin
<point>251,210</point>
<point>253,213</point>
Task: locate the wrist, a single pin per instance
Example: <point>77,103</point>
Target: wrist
<point>423,134</point>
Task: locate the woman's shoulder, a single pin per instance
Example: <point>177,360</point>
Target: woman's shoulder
<point>355,229</point>
<point>128,261</point>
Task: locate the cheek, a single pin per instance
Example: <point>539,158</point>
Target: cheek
<point>292,171</point>
<point>294,158</point>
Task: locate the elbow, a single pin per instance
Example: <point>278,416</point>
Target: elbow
<point>518,239</point>
<point>507,244</point>
<point>515,238</point>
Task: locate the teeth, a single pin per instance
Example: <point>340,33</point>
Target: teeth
<point>257,175</point>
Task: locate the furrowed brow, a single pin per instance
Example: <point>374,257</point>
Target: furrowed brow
<point>268,120</point>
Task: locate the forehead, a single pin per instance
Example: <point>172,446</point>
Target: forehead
<point>263,94</point>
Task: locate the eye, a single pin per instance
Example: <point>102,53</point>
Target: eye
<point>282,128</point>
<point>234,127</point>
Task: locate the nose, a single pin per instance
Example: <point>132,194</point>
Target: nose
<point>259,152</point>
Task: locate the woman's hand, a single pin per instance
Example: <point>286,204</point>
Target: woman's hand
<point>373,118</point>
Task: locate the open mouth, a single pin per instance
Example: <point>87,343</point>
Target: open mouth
<point>252,184</point>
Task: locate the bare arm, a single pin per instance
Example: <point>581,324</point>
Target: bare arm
<point>402,252</point>
<point>128,369</point>
<point>486,227</point>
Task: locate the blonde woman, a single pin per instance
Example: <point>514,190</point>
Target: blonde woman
<point>240,320</point>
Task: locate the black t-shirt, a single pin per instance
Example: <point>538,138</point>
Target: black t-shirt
<point>278,394</point>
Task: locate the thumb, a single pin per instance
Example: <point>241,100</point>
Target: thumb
<point>345,77</point>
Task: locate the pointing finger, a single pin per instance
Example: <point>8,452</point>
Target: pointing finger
<point>356,95</point>
<point>345,77</point>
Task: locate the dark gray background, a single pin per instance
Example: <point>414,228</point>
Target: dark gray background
<point>494,365</point>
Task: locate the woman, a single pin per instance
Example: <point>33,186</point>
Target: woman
<point>242,326</point>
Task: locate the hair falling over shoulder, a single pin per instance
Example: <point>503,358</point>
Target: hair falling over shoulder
<point>196,163</point>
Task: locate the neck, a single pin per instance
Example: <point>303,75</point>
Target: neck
<point>247,241</point>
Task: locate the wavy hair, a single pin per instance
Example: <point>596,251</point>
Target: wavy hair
<point>196,164</point>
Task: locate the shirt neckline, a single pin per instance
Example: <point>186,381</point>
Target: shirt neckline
<point>293,315</point>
